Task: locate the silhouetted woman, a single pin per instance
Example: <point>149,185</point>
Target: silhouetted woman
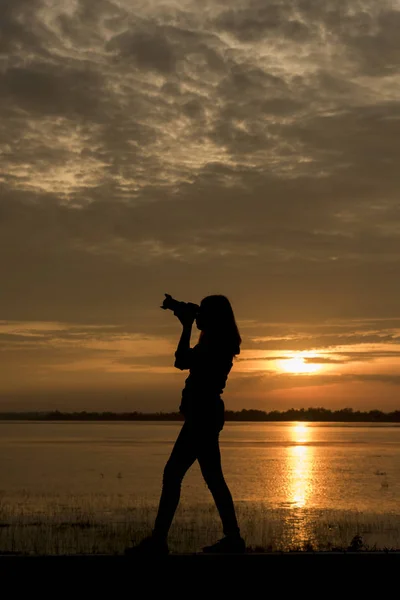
<point>209,363</point>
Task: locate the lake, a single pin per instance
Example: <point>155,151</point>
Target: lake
<point>293,483</point>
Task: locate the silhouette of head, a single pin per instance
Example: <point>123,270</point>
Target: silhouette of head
<point>216,321</point>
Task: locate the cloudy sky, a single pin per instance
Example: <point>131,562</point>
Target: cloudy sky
<point>241,147</point>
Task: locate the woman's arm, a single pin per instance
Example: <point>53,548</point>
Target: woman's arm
<point>183,351</point>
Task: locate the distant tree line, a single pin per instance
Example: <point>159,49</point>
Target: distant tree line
<point>293,414</point>
<point>315,414</point>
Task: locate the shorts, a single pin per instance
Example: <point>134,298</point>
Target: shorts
<point>209,414</point>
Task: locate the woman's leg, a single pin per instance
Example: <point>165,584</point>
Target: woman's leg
<point>209,457</point>
<point>182,457</point>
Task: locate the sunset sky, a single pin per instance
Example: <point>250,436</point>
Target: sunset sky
<point>240,147</point>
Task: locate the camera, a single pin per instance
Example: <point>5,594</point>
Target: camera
<point>178,307</point>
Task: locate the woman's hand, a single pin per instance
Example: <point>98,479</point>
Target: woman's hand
<point>185,316</point>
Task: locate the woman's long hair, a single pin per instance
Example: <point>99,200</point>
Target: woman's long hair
<point>221,323</point>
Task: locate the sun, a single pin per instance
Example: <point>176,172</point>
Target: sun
<point>298,364</point>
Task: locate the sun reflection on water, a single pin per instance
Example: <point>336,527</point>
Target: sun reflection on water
<point>299,483</point>
<point>300,461</point>
<point>300,476</point>
<point>299,466</point>
<point>300,433</point>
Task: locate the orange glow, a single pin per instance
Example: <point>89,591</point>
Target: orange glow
<point>298,364</point>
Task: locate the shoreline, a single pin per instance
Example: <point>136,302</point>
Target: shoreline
<point>308,415</point>
<point>195,555</point>
<point>181,419</point>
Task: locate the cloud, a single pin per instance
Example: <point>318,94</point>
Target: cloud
<point>323,360</point>
<point>258,21</point>
<point>73,92</point>
<point>15,33</point>
<point>371,33</point>
<point>149,50</point>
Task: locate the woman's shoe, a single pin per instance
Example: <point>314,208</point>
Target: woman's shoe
<point>149,545</point>
<point>228,545</point>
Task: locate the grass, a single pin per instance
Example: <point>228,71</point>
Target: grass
<point>106,524</point>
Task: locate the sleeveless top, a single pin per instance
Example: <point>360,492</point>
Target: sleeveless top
<point>209,366</point>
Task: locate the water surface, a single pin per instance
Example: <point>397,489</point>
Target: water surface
<point>283,465</point>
